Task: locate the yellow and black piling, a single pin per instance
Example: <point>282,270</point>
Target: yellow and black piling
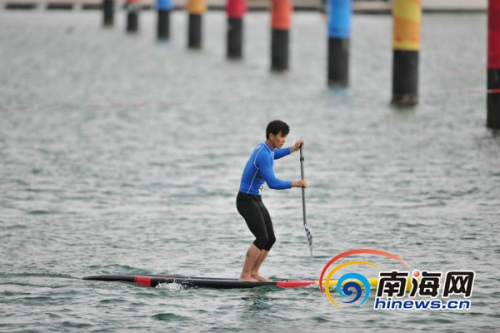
<point>493,113</point>
<point>406,45</point>
<point>235,11</point>
<point>195,8</point>
<point>281,17</point>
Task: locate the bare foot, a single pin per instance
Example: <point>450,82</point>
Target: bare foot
<point>247,279</point>
<point>260,278</point>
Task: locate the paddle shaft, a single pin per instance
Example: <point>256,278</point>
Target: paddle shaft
<point>303,189</point>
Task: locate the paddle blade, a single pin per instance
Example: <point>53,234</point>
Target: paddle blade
<point>309,239</point>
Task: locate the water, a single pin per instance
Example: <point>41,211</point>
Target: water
<point>121,155</point>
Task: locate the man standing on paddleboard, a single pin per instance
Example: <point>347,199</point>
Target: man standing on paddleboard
<point>259,169</point>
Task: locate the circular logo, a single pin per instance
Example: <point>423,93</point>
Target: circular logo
<point>352,285</point>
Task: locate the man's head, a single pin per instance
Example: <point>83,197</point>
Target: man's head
<point>276,133</point>
<point>275,127</point>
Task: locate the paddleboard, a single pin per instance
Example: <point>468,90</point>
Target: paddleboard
<point>197,282</point>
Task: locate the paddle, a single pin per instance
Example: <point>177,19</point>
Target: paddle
<point>308,232</point>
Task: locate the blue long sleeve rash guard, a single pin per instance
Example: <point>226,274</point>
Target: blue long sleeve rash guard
<point>259,169</point>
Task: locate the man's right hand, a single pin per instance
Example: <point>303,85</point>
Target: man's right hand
<point>299,183</point>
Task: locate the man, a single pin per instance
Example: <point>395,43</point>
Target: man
<point>259,169</point>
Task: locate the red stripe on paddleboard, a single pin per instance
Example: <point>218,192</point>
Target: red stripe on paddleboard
<point>494,91</point>
<point>294,284</point>
<point>144,280</point>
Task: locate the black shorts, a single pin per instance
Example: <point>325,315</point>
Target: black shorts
<point>257,218</point>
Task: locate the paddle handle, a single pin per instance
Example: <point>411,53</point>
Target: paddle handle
<point>303,189</point>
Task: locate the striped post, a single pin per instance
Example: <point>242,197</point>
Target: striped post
<point>493,116</point>
<point>108,9</point>
<point>281,23</point>
<point>164,8</point>
<point>339,34</point>
<point>195,9</point>
<point>406,45</point>
<point>133,7</point>
<point>235,11</point>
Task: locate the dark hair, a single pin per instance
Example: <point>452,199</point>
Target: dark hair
<point>277,126</point>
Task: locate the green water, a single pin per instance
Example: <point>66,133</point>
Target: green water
<point>121,155</point>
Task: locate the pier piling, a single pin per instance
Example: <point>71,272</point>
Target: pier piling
<point>406,45</point>
<point>281,14</point>
<point>164,9</point>
<point>235,11</point>
<point>493,95</point>
<point>339,34</point>
<point>108,8</point>
<point>133,7</point>
<point>195,8</point>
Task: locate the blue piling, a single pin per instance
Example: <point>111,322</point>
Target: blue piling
<point>339,35</point>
